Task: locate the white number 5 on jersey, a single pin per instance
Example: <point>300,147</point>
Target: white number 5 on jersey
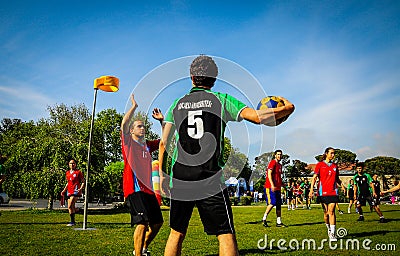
<point>194,119</point>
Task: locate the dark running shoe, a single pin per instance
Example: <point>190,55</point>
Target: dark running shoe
<point>382,220</point>
<point>361,218</point>
<point>265,224</point>
<point>281,225</point>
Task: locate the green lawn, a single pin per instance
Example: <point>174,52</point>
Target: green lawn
<point>35,232</point>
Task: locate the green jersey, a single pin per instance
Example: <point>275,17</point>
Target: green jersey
<point>363,184</point>
<point>200,118</point>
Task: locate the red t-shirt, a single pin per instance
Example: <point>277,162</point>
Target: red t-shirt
<point>276,174</point>
<point>137,165</point>
<point>328,174</point>
<point>74,178</point>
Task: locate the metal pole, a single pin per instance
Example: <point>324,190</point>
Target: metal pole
<point>88,163</point>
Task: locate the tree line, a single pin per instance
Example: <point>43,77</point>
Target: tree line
<point>35,154</point>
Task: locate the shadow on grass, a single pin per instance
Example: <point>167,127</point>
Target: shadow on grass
<point>369,234</point>
<point>307,224</point>
<point>33,223</point>
<point>78,224</point>
<point>291,225</point>
<point>111,211</point>
<point>376,220</point>
<point>393,210</point>
<point>254,222</point>
<point>273,250</point>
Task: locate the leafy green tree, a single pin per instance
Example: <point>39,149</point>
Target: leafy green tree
<point>234,159</point>
<point>108,124</point>
<point>343,158</point>
<point>260,167</point>
<point>37,153</point>
<point>262,161</point>
<point>297,169</point>
<point>108,183</point>
<point>383,165</point>
<point>16,144</point>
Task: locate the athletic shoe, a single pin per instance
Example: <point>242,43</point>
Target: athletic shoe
<point>382,220</point>
<point>361,218</point>
<point>265,224</point>
<point>340,212</point>
<point>71,224</point>
<point>281,225</point>
<point>332,237</point>
<point>145,252</point>
<point>348,210</point>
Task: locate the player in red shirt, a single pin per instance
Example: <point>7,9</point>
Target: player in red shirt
<point>272,188</point>
<point>328,174</point>
<point>74,187</point>
<point>137,179</point>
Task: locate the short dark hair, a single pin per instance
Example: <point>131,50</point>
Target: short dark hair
<point>360,164</point>
<point>72,159</point>
<point>278,151</point>
<point>203,71</point>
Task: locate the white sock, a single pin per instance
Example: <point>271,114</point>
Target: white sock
<point>382,217</point>
<point>265,216</point>
<point>327,226</point>
<point>333,229</point>
<point>278,220</point>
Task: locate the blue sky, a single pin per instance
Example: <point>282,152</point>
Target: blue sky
<point>337,61</point>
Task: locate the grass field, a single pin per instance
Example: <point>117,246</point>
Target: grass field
<point>42,232</point>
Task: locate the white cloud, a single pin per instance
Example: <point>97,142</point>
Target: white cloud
<point>23,102</point>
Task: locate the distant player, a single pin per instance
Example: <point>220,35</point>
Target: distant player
<point>272,188</point>
<point>327,173</point>
<point>362,192</point>
<point>350,195</point>
<point>306,187</point>
<point>74,187</point>
<point>298,193</point>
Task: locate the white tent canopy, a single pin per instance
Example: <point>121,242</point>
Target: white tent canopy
<point>232,181</point>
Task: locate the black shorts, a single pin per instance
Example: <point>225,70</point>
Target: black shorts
<point>351,198</point>
<point>328,199</point>
<point>215,214</point>
<point>144,208</point>
<point>73,195</point>
<point>362,200</point>
<point>376,200</point>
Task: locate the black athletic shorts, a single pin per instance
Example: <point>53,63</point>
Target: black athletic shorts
<point>215,214</point>
<point>328,199</point>
<point>362,200</point>
<point>144,208</point>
